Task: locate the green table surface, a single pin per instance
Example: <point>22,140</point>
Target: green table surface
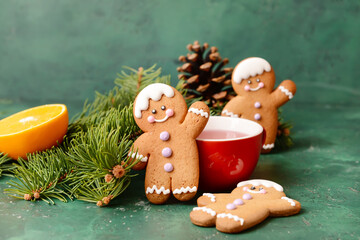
<point>62,51</point>
<point>321,171</point>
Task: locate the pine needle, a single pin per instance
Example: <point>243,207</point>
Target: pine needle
<point>92,163</point>
<point>6,166</point>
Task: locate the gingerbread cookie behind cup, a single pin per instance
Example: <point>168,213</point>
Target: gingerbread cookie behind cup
<point>167,148</point>
<point>247,205</point>
<point>253,79</point>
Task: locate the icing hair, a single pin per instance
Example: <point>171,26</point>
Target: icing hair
<point>153,92</point>
<point>258,182</point>
<point>250,67</point>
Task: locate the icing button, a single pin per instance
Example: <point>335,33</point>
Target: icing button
<point>231,206</point>
<point>168,167</point>
<point>167,152</point>
<point>238,201</point>
<point>164,136</point>
<point>247,196</point>
<point>257,116</point>
<point>257,105</point>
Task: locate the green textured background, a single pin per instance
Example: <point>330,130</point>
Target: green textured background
<point>62,51</point>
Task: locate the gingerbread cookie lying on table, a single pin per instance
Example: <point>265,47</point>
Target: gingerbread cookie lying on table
<point>253,79</point>
<point>247,205</point>
<point>167,148</point>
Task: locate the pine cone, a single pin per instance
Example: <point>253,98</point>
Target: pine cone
<point>205,76</point>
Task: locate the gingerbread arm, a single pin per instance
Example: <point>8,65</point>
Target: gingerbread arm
<point>233,108</point>
<point>283,93</point>
<point>208,198</point>
<point>196,119</point>
<point>140,150</point>
<point>283,207</point>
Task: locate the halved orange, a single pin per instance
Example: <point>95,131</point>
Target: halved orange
<point>32,130</point>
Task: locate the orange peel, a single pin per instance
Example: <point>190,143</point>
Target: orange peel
<point>33,130</point>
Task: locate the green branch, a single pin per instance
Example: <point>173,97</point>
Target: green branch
<point>6,166</point>
<point>92,163</point>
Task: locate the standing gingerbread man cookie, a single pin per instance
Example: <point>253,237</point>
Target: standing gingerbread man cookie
<point>253,79</point>
<point>167,148</point>
<point>250,203</point>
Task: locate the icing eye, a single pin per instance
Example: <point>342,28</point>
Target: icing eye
<point>163,107</point>
<point>252,188</point>
<point>249,82</point>
<point>258,80</point>
<point>153,111</point>
<point>260,189</point>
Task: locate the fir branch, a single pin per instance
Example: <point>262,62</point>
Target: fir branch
<point>284,135</point>
<point>92,163</point>
<point>137,80</point>
<point>97,153</point>
<point>6,167</point>
<point>100,192</point>
<point>42,176</point>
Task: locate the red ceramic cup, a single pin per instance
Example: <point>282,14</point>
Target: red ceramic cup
<point>226,162</point>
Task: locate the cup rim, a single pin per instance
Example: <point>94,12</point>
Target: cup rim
<point>257,128</point>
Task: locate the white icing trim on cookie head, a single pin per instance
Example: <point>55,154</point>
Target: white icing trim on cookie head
<point>250,67</point>
<point>153,92</point>
<point>265,183</point>
<point>205,209</point>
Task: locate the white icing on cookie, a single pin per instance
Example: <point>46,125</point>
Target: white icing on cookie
<point>291,201</point>
<point>162,120</point>
<point>211,196</point>
<point>265,183</point>
<point>139,156</point>
<point>269,146</point>
<point>231,216</point>
<point>255,89</point>
<point>250,67</point>
<point>231,114</point>
<point>185,190</point>
<point>158,191</point>
<point>205,209</point>
<point>286,91</point>
<point>153,92</point>
<point>199,111</point>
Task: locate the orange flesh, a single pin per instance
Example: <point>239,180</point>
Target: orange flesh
<point>28,119</point>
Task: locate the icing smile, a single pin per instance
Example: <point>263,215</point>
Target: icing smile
<point>169,113</point>
<point>248,88</point>
<point>162,120</point>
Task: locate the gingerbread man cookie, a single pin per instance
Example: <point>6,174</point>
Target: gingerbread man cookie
<point>253,79</point>
<point>247,205</point>
<point>167,148</point>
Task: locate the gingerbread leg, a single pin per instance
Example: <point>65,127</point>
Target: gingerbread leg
<point>271,131</point>
<point>203,216</point>
<point>206,216</point>
<point>233,221</point>
<point>183,188</point>
<point>157,189</point>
